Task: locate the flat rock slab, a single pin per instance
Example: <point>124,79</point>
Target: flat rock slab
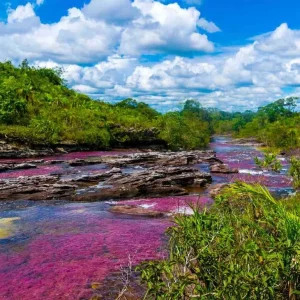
<point>247,142</point>
<point>35,188</point>
<point>223,169</point>
<point>162,174</point>
<point>135,211</point>
<point>150,159</point>
<point>23,166</point>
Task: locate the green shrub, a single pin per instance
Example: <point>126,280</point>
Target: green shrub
<point>295,171</point>
<point>247,246</point>
<point>270,162</point>
<point>39,98</point>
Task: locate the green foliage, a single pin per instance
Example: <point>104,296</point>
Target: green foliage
<point>246,247</point>
<point>294,171</point>
<point>270,162</point>
<point>37,107</point>
<point>183,130</point>
<point>281,108</point>
<point>38,98</point>
<point>277,124</point>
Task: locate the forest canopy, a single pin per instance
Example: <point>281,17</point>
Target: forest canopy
<point>37,107</point>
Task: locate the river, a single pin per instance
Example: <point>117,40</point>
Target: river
<point>62,250</point>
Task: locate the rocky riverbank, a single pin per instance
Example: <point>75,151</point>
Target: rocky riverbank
<point>143,139</point>
<point>114,177</point>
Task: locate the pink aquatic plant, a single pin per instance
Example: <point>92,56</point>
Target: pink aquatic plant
<point>58,251</point>
<point>41,170</point>
<point>67,255</point>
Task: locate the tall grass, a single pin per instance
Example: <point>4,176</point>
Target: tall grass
<point>246,246</point>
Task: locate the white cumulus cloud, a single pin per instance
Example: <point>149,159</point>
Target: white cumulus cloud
<point>102,46</point>
<point>116,11</point>
<point>20,14</point>
<point>164,28</point>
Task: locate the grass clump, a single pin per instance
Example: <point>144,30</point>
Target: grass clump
<point>247,246</point>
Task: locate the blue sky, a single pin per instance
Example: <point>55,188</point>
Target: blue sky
<point>233,55</point>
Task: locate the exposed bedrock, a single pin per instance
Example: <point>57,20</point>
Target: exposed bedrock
<point>110,185</point>
<point>136,211</point>
<point>35,188</point>
<point>153,174</point>
<point>149,159</point>
<point>23,166</point>
<point>154,182</point>
<point>222,169</point>
<point>247,142</point>
<point>161,174</point>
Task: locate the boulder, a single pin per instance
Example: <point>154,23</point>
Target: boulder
<point>223,169</point>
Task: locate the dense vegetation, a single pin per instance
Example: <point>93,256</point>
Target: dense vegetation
<point>37,107</point>
<point>277,124</point>
<point>247,246</point>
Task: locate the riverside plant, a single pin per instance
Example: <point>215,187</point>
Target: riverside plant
<point>247,246</point>
<point>269,162</point>
<point>294,172</point>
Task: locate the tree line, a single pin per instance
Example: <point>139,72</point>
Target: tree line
<point>37,107</point>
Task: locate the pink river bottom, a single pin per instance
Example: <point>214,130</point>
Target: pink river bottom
<point>57,250</point>
<point>69,247</point>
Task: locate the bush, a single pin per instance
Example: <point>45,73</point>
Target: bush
<point>295,171</point>
<point>246,247</point>
<point>269,162</point>
<point>39,98</point>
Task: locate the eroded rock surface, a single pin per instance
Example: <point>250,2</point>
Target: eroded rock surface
<point>153,174</point>
<point>136,211</point>
<point>23,166</point>
<point>35,188</point>
<point>223,169</point>
<point>149,159</point>
<point>153,182</point>
<point>246,142</point>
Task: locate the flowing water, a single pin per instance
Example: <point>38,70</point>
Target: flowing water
<point>61,250</point>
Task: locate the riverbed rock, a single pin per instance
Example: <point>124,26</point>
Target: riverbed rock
<point>36,161</point>
<point>149,159</point>
<point>35,188</point>
<point>23,166</point>
<point>154,182</point>
<point>97,177</point>
<point>113,184</point>
<point>55,162</point>
<point>223,169</point>
<point>11,148</point>
<point>153,174</point>
<point>136,211</point>
<point>247,142</point>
